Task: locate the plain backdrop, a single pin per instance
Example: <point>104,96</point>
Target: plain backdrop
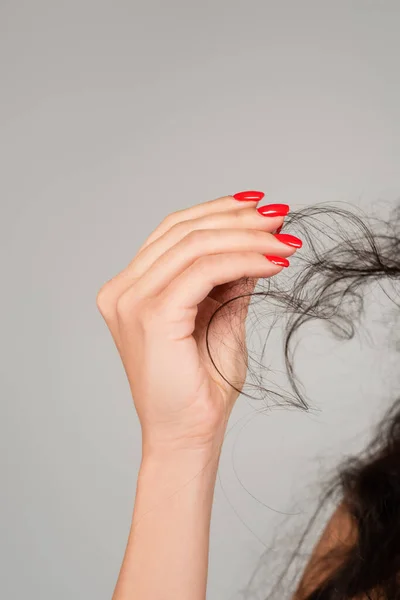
<point>113,114</point>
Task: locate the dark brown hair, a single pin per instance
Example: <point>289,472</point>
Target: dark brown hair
<point>344,252</point>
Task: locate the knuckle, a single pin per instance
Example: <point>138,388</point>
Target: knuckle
<point>166,222</point>
<point>122,307</point>
<point>126,305</point>
<point>204,264</point>
<point>241,215</point>
<point>179,229</point>
<point>171,219</point>
<point>151,316</point>
<point>198,237</point>
<point>256,236</point>
<point>207,268</point>
<point>104,297</point>
<point>133,309</point>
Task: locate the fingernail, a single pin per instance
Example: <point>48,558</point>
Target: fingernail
<point>278,260</point>
<point>274,210</point>
<point>288,239</point>
<point>254,196</point>
<point>279,229</point>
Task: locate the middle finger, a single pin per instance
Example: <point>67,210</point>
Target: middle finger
<point>248,218</point>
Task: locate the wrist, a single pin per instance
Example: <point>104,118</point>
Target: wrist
<point>182,459</point>
<point>183,450</point>
<point>169,479</point>
<point>173,467</point>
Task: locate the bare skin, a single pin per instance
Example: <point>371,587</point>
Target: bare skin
<point>340,533</point>
<point>157,310</point>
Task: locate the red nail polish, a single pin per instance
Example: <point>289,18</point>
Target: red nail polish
<point>254,196</point>
<point>288,239</point>
<point>279,229</point>
<point>278,260</point>
<point>274,210</point>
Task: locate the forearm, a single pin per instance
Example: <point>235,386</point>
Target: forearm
<point>167,551</point>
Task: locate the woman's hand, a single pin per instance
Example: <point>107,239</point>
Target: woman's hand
<point>158,308</point>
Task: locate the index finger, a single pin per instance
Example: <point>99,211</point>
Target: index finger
<point>241,199</point>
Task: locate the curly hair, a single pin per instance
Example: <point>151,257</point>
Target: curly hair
<point>355,250</point>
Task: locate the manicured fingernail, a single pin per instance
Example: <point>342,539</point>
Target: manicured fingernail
<point>274,210</point>
<point>288,239</point>
<point>279,229</point>
<point>254,196</point>
<point>278,260</point>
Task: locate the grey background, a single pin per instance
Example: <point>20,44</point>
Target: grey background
<point>114,114</point>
